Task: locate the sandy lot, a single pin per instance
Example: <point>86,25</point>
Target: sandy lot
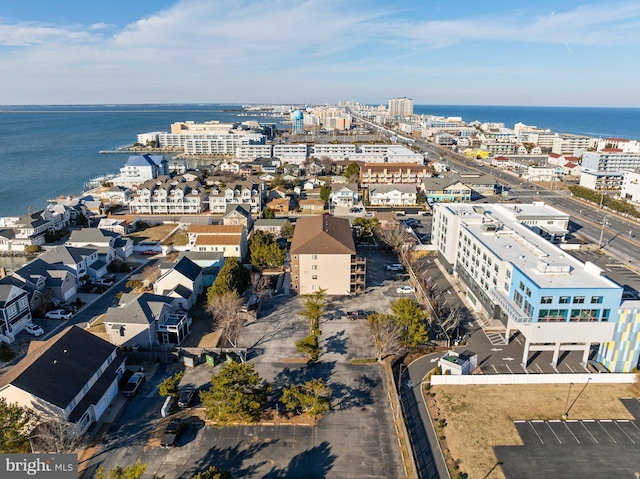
<point>479,417</point>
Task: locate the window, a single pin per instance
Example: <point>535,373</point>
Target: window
<point>314,267</point>
<point>578,299</point>
<point>528,293</point>
<point>12,311</point>
<point>295,277</point>
<point>596,299</point>
<point>314,256</point>
<point>23,303</point>
<point>521,286</point>
<point>564,299</point>
<point>546,300</point>
<point>314,287</point>
<point>315,276</point>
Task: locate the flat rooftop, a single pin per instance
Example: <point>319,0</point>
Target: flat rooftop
<point>543,262</point>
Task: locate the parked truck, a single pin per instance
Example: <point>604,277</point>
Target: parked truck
<point>172,433</point>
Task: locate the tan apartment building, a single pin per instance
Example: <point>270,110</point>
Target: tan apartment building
<point>323,256</point>
<point>393,173</point>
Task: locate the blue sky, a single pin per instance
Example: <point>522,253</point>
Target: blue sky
<point>561,53</point>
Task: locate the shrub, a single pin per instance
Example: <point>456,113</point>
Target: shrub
<point>32,248</point>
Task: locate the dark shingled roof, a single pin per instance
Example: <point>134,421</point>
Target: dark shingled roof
<point>56,370</point>
<point>187,268</point>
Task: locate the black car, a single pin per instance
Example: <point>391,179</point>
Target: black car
<point>172,433</point>
<point>358,314</point>
<point>186,397</point>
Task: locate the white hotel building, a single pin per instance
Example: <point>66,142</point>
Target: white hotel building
<point>519,281</point>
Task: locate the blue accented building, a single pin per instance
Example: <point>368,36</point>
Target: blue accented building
<point>518,280</point>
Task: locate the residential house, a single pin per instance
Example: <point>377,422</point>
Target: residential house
<point>228,239</point>
<point>280,206</point>
<point>313,206</point>
<point>542,173</point>
<point>209,262</point>
<point>238,214</point>
<point>169,197</point>
<point>344,194</point>
<point>15,312</point>
<point>182,280</point>
<point>392,195</point>
<point>396,173</point>
<point>71,377</point>
<point>246,191</point>
<point>147,320</point>
<point>278,192</point>
<point>78,261</point>
<point>121,224</point>
<point>140,169</point>
<point>33,277</point>
<point>108,243</point>
<point>446,189</point>
<point>272,226</point>
<point>323,256</point>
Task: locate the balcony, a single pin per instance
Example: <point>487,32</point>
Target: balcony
<point>510,308</point>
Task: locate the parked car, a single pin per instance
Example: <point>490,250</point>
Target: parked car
<point>186,397</point>
<point>34,329</point>
<point>395,267</point>
<point>354,210</point>
<point>405,290</point>
<point>149,252</point>
<point>172,433</point>
<point>103,282</point>
<point>134,384</point>
<point>358,314</point>
<point>426,213</point>
<point>58,314</point>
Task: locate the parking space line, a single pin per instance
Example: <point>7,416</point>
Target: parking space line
<point>623,431</point>
<point>539,368</point>
<point>554,433</point>
<point>509,368</point>
<point>589,432</point>
<point>610,436</point>
<point>518,340</point>
<point>534,430</point>
<point>494,368</point>
<point>570,368</point>
<point>570,431</point>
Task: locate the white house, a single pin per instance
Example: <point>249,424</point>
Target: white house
<point>344,194</point>
<point>182,281</point>
<point>15,312</point>
<point>392,195</point>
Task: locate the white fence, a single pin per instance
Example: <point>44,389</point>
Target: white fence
<point>441,380</point>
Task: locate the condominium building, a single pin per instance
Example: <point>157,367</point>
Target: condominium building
<point>517,280</point>
<point>334,151</point>
<point>251,152</point>
<point>611,160</point>
<point>600,180</point>
<point>396,173</point>
<point>571,143</point>
<point>400,107</point>
<point>323,256</point>
<point>631,186</point>
<point>169,197</point>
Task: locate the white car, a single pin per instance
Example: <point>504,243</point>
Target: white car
<point>34,329</point>
<point>395,267</point>
<point>405,290</point>
<point>58,314</point>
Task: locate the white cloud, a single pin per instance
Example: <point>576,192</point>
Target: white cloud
<point>200,47</point>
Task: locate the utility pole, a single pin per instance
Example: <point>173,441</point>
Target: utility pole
<point>604,223</point>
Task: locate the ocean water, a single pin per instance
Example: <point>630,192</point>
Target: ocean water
<point>47,151</point>
<point>596,122</point>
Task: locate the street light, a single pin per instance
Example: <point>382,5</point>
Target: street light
<point>604,223</point>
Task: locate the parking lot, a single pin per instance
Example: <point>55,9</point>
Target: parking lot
<point>356,438</point>
<point>600,449</point>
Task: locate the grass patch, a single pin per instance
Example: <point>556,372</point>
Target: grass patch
<point>364,361</point>
<point>479,417</point>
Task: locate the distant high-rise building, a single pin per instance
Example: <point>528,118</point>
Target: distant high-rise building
<point>401,107</point>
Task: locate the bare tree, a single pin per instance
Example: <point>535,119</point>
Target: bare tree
<point>396,237</point>
<point>227,316</point>
<point>54,436</point>
<point>151,273</point>
<point>386,335</point>
<point>262,287</point>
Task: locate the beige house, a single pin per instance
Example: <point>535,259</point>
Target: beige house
<point>72,377</point>
<point>323,256</point>
<point>231,240</point>
<point>311,206</point>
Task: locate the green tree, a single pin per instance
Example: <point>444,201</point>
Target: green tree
<point>312,397</point>
<point>130,472</point>
<point>268,213</point>
<point>314,305</point>
<point>352,171</point>
<point>365,229</point>
<point>81,219</point>
<point>169,387</point>
<point>407,314</point>
<point>213,473</point>
<point>287,230</point>
<point>232,277</point>
<point>16,424</point>
<point>265,252</point>
<point>309,346</point>
<point>237,393</point>
<point>325,192</point>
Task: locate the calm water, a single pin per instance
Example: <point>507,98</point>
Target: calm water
<point>46,151</point>
<point>596,122</point>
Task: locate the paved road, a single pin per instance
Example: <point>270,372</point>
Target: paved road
<point>430,463</point>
